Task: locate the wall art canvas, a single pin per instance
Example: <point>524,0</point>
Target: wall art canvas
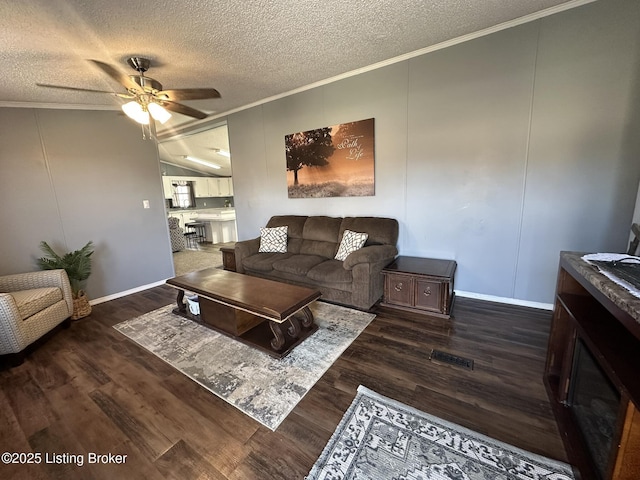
<point>335,161</point>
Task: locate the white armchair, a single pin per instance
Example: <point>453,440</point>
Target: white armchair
<point>32,304</point>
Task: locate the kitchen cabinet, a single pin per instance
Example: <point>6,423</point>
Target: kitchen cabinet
<point>201,187</point>
<point>219,186</point>
<point>214,187</point>
<point>225,186</point>
<point>167,188</point>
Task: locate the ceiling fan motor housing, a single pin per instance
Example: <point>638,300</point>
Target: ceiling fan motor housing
<point>147,83</point>
<point>139,64</point>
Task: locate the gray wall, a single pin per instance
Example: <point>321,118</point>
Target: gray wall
<point>71,176</point>
<point>499,152</point>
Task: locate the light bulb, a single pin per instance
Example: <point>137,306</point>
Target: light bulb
<point>158,112</point>
<point>135,111</point>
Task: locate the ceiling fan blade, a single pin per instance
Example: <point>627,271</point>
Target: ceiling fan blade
<point>183,109</point>
<point>77,89</point>
<point>119,77</point>
<point>72,88</point>
<point>189,94</point>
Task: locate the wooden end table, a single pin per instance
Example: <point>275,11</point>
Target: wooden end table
<point>259,312</point>
<point>420,285</point>
<point>229,258</point>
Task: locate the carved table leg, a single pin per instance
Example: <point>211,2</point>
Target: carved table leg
<point>308,317</point>
<point>294,328</point>
<point>278,341</point>
<point>182,307</point>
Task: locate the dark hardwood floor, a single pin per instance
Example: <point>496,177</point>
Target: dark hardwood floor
<point>90,389</point>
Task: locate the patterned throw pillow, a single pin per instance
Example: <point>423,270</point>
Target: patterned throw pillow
<point>351,241</point>
<point>273,240</point>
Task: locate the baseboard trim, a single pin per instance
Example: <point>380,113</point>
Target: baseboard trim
<point>510,301</point>
<point>126,292</point>
<point>460,293</point>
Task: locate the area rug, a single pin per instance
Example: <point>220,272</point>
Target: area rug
<point>381,438</point>
<point>186,261</point>
<point>265,388</point>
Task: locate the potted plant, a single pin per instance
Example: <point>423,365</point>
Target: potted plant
<point>77,264</point>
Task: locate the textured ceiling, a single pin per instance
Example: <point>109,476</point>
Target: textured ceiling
<point>248,50</point>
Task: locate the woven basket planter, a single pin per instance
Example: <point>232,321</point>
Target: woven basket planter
<point>81,306</point>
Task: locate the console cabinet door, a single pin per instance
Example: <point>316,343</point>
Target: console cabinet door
<point>399,289</point>
<point>428,295</point>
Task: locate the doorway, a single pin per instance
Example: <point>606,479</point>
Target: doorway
<point>200,160</point>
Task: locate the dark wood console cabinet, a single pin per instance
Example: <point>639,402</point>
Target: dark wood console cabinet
<point>594,314</point>
<point>420,285</point>
<point>228,258</point>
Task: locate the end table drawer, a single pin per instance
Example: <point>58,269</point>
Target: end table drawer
<point>399,289</point>
<point>428,295</point>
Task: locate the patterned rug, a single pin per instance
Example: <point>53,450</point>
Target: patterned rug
<point>262,387</point>
<point>381,438</point>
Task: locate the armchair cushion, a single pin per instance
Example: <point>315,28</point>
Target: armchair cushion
<point>36,299</point>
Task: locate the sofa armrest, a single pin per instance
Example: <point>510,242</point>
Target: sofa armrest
<point>371,254</point>
<point>245,249</point>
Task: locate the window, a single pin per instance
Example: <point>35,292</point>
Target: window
<point>183,194</point>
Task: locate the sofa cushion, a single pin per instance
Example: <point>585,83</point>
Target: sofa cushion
<point>298,264</point>
<point>273,240</point>
<point>35,300</point>
<point>351,241</point>
<point>295,224</point>
<point>263,262</point>
<point>381,231</point>
<point>320,236</point>
<point>330,271</point>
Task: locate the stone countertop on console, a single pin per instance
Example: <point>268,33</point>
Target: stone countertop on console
<point>619,295</point>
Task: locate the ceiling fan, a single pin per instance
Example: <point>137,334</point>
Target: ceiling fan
<point>146,94</point>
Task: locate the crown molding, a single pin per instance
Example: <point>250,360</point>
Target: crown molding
<point>58,106</point>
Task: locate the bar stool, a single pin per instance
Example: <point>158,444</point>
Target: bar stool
<point>197,229</point>
<point>191,238</point>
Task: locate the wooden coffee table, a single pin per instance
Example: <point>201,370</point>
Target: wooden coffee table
<point>256,311</point>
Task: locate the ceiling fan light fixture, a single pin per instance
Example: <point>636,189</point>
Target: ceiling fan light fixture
<point>158,112</point>
<point>135,111</point>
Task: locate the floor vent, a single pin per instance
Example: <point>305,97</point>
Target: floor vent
<point>446,358</point>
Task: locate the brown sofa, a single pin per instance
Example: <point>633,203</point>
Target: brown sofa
<point>312,243</point>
